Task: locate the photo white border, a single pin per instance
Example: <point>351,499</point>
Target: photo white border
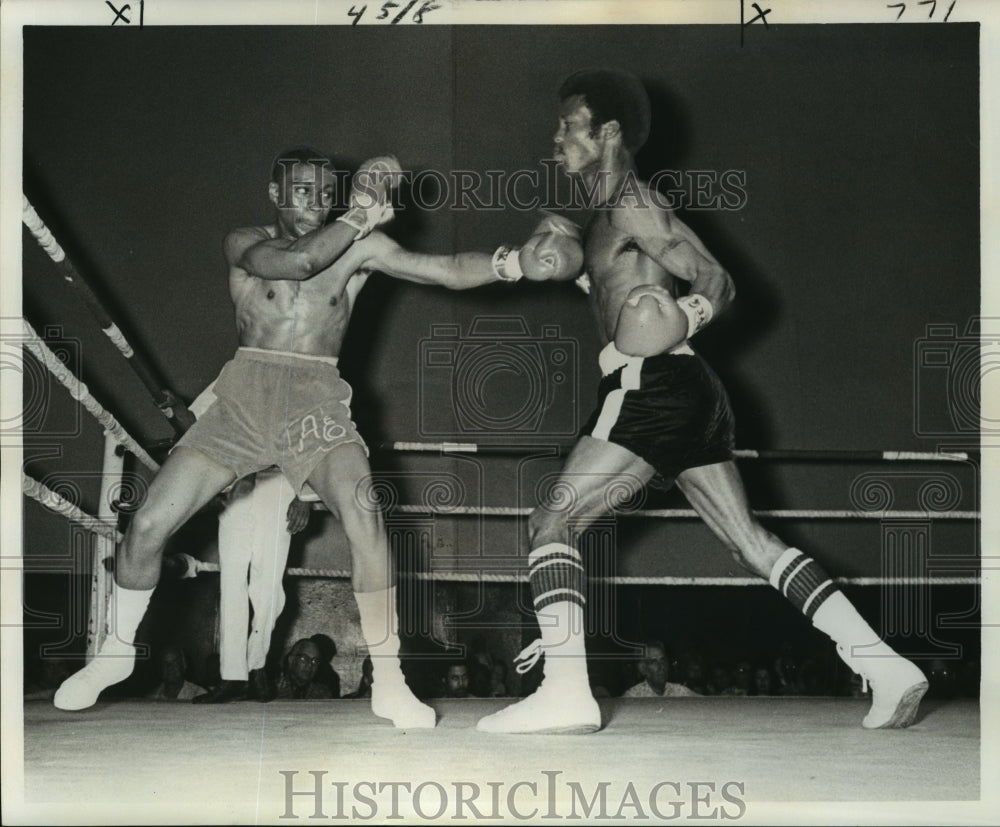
<point>14,14</point>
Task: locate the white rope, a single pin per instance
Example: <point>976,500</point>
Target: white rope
<point>747,453</point>
<point>688,513</point>
<point>79,391</point>
<point>41,233</point>
<point>59,504</point>
<point>622,580</point>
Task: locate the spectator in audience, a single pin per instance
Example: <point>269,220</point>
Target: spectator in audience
<point>654,669</point>
<point>719,681</point>
<point>943,679</point>
<point>498,679</point>
<point>364,689</point>
<point>693,676</point>
<point>174,685</point>
<point>742,679</point>
<point>456,679</point>
<point>786,671</point>
<point>763,681</point>
<point>811,680</point>
<point>326,674</point>
<point>479,678</point>
<point>298,675</point>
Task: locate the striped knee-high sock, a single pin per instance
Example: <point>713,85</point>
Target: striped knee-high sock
<point>557,577</point>
<point>811,590</point>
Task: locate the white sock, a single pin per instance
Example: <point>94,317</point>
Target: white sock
<point>127,609</point>
<point>380,627</point>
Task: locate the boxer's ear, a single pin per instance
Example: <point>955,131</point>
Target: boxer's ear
<point>273,193</point>
<point>609,129</point>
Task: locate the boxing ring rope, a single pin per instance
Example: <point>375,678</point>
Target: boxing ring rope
<point>747,453</point>
<point>621,580</point>
<point>173,409</point>
<point>690,513</point>
<point>80,392</point>
<point>54,501</point>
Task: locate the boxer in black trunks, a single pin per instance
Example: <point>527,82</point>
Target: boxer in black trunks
<point>281,402</point>
<point>662,410</point>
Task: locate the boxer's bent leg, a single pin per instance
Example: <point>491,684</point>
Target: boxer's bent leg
<point>597,477</point>
<point>340,481</point>
<point>716,492</point>
<point>185,482</point>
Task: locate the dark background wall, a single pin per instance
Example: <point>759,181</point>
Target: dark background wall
<point>860,149</point>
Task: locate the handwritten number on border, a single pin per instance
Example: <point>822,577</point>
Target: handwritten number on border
<point>931,3</point>
<point>390,5</point>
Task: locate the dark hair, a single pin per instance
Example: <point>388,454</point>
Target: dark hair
<point>297,155</point>
<point>613,95</point>
<point>653,643</point>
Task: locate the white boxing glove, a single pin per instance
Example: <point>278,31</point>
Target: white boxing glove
<point>371,194</point>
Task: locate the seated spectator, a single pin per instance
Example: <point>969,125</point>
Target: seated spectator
<point>480,682</point>
<point>811,680</point>
<point>693,676</point>
<point>456,680</point>
<point>498,680</point>
<point>298,675</point>
<point>174,685</point>
<point>763,681</point>
<point>326,674</point>
<point>786,672</point>
<point>741,680</point>
<point>719,682</point>
<point>654,670</point>
<point>943,679</point>
<point>364,689</point>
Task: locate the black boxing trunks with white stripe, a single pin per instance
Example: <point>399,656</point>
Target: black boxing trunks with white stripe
<point>671,410</point>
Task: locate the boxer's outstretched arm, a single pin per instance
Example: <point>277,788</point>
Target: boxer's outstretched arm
<point>252,250</point>
<point>456,272</point>
<point>552,253</point>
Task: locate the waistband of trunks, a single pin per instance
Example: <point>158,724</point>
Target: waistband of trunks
<point>281,357</point>
<point>611,358</point>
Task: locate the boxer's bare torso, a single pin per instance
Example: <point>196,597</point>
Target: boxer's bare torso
<point>308,316</point>
<point>634,242</point>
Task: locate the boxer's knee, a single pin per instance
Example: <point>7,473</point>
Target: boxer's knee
<point>546,525</point>
<point>148,532</point>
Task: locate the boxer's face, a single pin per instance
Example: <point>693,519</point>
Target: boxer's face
<point>303,198</point>
<point>575,145</point>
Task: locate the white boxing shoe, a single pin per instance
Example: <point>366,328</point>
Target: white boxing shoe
<point>395,701</point>
<point>897,686</point>
<point>553,709</point>
<point>111,665</point>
